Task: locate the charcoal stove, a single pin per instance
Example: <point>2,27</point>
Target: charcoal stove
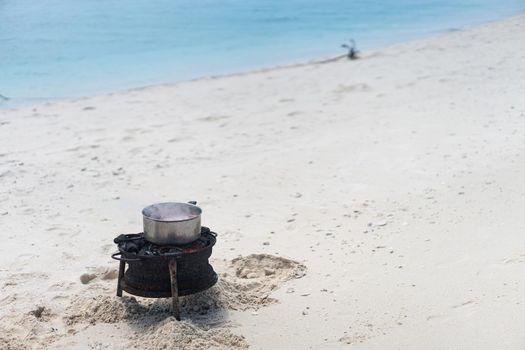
<point>164,271</point>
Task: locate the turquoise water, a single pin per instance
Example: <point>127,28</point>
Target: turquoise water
<point>53,49</point>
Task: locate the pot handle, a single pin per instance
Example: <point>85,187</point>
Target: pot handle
<point>118,256</point>
<point>192,202</point>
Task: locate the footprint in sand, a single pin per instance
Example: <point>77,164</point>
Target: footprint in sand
<point>352,88</point>
<point>519,259</point>
<point>466,303</point>
<point>214,118</point>
<point>28,211</point>
<point>62,230</point>
<point>128,138</point>
<point>21,278</point>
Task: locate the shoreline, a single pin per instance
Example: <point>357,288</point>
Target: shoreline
<point>369,204</point>
<point>266,68</point>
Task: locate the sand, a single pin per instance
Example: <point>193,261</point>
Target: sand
<point>245,284</point>
<point>386,194</point>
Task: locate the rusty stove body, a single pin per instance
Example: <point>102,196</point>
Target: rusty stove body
<point>163,271</point>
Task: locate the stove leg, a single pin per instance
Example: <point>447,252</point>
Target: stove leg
<point>121,268</point>
<point>174,289</point>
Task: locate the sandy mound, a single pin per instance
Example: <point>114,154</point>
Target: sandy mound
<point>26,329</point>
<point>105,309</point>
<point>247,283</point>
<point>185,335</point>
<point>154,327</point>
<point>9,343</point>
<point>244,283</point>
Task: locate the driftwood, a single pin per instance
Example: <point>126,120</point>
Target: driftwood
<point>352,50</point>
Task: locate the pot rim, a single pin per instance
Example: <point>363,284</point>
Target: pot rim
<point>168,221</point>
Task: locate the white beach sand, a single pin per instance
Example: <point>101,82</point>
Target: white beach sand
<point>397,180</point>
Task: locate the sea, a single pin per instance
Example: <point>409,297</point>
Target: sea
<point>56,49</point>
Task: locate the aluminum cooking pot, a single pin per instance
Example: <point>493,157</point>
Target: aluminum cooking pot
<point>172,223</point>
